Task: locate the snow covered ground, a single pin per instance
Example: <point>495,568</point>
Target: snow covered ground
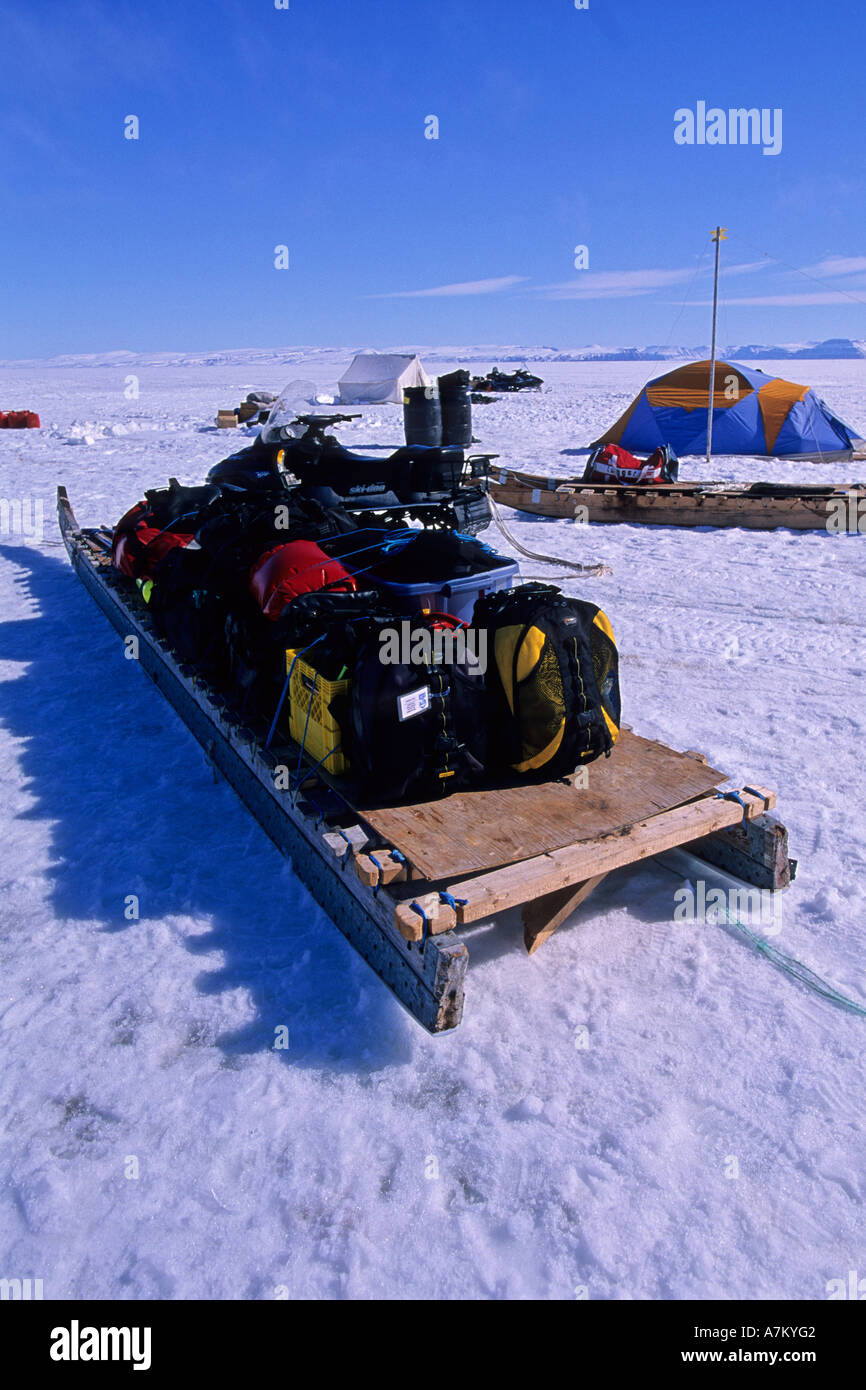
<point>579,1133</point>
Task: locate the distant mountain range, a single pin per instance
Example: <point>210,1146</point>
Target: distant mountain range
<point>829,349</point>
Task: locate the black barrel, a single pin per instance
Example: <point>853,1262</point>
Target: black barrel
<point>456,410</point>
<point>422,415</point>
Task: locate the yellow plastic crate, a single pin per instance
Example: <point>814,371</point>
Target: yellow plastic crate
<point>309,698</point>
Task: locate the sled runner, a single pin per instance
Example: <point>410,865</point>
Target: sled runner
<point>756,506</point>
<point>400,881</point>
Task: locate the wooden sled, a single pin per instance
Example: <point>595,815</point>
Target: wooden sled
<point>756,506</point>
<point>401,881</point>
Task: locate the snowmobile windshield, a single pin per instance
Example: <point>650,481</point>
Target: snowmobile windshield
<point>295,399</point>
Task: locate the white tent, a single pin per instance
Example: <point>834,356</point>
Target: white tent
<point>381,376</point>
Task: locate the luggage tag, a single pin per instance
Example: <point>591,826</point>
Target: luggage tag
<point>413,702</point>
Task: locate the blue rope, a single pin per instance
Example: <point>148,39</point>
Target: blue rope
<point>310,770</point>
<point>283,693</point>
<point>395,854</point>
<point>443,897</point>
<point>451,901</point>
<point>285,690</point>
<point>734,796</point>
<point>187,516</point>
<point>789,964</point>
<point>423,915</point>
<point>373,860</point>
<point>306,726</point>
<point>398,539</point>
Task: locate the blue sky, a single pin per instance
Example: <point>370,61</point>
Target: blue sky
<point>305,127</point>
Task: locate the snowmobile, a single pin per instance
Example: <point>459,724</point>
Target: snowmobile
<point>520,380</point>
<point>436,486</point>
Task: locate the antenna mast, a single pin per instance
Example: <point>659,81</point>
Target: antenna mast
<point>719,235</point>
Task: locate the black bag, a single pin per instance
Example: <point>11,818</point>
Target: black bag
<point>167,518</point>
<point>337,621</point>
<point>470,510</point>
<point>242,528</point>
<point>434,557</point>
<point>552,681</point>
<point>413,723</point>
<point>189,609</point>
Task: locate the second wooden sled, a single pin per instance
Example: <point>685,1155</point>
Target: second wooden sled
<point>401,882</point>
<point>755,506</point>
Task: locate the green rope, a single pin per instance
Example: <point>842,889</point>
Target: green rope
<point>791,966</point>
<point>797,969</point>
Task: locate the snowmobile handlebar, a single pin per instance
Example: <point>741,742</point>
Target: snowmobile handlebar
<point>317,424</point>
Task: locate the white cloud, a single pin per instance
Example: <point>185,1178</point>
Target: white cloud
<point>614,284</point>
<point>503,282</point>
<point>837,265</point>
<point>625,284</point>
<point>786,300</point>
<point>748,266</point>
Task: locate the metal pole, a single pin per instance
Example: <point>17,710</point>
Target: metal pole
<point>718,237</point>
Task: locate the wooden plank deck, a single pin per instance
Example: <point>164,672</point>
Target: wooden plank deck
<point>472,831</point>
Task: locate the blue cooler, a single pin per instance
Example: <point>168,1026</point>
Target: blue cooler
<point>455,596</point>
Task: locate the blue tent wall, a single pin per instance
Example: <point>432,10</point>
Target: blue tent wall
<point>809,428</point>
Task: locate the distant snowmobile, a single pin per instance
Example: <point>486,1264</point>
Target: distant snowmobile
<point>520,380</point>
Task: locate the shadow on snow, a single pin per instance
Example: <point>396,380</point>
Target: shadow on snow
<point>135,810</point>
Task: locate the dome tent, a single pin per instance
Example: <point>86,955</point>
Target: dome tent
<point>753,413</point>
<point>381,376</point>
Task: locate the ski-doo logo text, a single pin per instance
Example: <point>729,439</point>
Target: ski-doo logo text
<point>736,126</point>
<point>421,646</point>
<point>75,1343</point>
<point>22,516</point>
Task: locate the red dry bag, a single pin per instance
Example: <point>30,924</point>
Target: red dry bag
<point>298,567</point>
<point>19,420</point>
<point>139,544</point>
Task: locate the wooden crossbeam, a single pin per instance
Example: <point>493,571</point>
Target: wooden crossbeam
<point>531,878</point>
